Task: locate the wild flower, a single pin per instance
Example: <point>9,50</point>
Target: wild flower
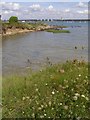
<point>72,89</point>
<point>36,90</point>
<point>10,109</point>
<point>67,86</point>
<point>76,105</point>
<point>87,98</point>
<point>52,108</point>
<point>62,71</point>
<point>23,112</point>
<point>78,118</point>
<point>83,106</point>
<point>77,94</point>
<point>60,103</point>
<point>37,102</point>
<point>83,96</point>
<point>46,105</point>
<point>79,75</point>
<point>57,91</point>
<point>45,115</point>
<point>69,115</point>
<point>33,115</point>
<point>41,116</point>
<point>23,98</point>
<point>48,117</point>
<point>36,97</point>
<point>51,76</point>
<point>53,92</point>
<point>65,107</point>
<point>42,106</point>
<point>27,97</point>
<point>86,77</point>
<point>39,108</point>
<point>50,103</point>
<point>33,108</point>
<point>35,84</point>
<point>46,84</point>
<point>71,112</point>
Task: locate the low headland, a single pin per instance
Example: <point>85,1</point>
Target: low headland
<point>9,29</point>
<point>13,26</point>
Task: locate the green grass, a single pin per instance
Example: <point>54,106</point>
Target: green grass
<point>59,91</point>
<point>58,31</point>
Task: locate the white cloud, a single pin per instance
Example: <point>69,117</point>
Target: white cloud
<point>10,6</point>
<point>39,11</point>
<point>2,3</point>
<point>50,7</point>
<point>67,10</point>
<point>86,11</point>
<point>16,6</point>
<point>35,7</point>
<point>6,12</point>
<point>81,4</point>
<point>83,12</point>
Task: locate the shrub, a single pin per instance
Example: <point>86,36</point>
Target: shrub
<point>13,19</point>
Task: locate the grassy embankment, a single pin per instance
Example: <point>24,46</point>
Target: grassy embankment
<point>59,91</point>
<point>14,28</point>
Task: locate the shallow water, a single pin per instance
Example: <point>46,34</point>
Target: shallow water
<point>37,46</point>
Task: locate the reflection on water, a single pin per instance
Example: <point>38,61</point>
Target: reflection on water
<point>32,49</point>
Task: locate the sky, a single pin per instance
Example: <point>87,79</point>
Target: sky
<point>45,0</point>
<point>36,9</point>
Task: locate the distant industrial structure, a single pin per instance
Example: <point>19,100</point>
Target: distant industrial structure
<point>36,20</point>
<point>26,20</point>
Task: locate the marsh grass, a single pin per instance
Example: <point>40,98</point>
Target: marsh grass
<point>59,91</point>
<point>58,31</point>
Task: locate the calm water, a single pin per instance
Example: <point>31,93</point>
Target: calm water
<point>37,46</point>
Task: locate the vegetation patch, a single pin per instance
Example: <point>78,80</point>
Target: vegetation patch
<point>58,31</point>
<point>59,91</point>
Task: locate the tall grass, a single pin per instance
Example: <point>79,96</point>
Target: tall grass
<point>59,91</point>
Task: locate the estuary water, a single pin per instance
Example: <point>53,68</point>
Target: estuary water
<point>30,50</point>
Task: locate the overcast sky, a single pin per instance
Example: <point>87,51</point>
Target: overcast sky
<point>46,10</point>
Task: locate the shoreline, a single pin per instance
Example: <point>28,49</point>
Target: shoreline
<point>10,32</point>
<point>14,32</point>
<point>18,31</point>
